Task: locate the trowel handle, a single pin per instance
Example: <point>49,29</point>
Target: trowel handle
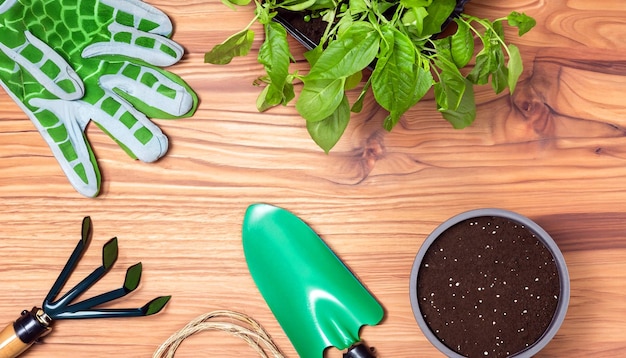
<point>18,336</point>
<point>359,350</point>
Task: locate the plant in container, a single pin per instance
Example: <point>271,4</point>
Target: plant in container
<point>397,39</point>
<point>489,283</point>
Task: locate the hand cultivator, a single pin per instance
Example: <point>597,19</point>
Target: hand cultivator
<point>36,323</point>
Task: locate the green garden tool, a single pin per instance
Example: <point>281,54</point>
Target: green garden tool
<point>36,323</point>
<point>318,302</point>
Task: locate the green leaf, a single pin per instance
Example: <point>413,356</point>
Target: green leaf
<point>499,79</point>
<point>274,54</point>
<point>354,50</point>
<point>297,5</point>
<point>319,98</point>
<point>358,6</point>
<point>438,13</point>
<point>288,92</point>
<point>327,132</point>
<point>414,15</point>
<point>353,81</point>
<point>238,44</point>
<point>312,55</point>
<point>239,2</point>
<point>358,104</point>
<point>515,67</point>
<point>357,107</point>
<point>462,44</point>
<point>323,87</point>
<point>465,112</point>
<point>464,115</point>
<point>443,48</point>
<point>264,14</point>
<point>523,22</point>
<point>322,4</point>
<point>413,19</point>
<point>499,73</point>
<point>398,82</point>
<point>231,3</point>
<point>498,32</point>
<point>487,60</point>
<point>415,3</point>
<point>480,73</point>
<point>262,104</point>
<point>454,95</point>
<point>387,43</point>
<point>344,23</point>
<point>275,57</point>
<point>270,96</point>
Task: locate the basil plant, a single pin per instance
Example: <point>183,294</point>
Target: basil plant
<point>397,40</point>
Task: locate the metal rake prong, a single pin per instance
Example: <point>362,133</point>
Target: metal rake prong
<point>70,265</point>
<point>150,308</point>
<point>131,282</point>
<point>109,256</point>
<point>64,308</point>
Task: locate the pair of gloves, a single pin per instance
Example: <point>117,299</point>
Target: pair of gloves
<point>66,62</point>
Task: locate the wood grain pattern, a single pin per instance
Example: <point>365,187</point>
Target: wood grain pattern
<point>555,151</point>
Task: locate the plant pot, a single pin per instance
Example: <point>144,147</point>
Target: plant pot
<point>309,33</point>
<point>489,283</point>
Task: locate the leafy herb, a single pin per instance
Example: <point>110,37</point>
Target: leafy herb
<point>398,39</point>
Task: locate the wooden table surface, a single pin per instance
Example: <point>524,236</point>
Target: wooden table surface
<point>554,152</point>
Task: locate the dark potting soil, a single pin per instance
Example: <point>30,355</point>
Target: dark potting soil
<point>487,287</point>
<point>310,31</point>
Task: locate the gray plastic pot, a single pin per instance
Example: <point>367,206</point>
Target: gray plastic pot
<point>541,234</point>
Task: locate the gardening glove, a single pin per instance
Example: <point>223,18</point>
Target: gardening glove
<point>66,62</point>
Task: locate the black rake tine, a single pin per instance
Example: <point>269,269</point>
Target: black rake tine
<point>131,282</point>
<point>150,308</point>
<point>70,265</point>
<point>109,256</point>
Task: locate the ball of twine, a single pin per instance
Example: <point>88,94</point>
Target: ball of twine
<point>233,323</point>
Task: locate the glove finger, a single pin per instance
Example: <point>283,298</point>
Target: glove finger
<point>59,124</point>
<point>6,5</point>
<point>131,129</point>
<point>46,66</point>
<point>129,42</point>
<point>156,93</point>
<point>142,16</point>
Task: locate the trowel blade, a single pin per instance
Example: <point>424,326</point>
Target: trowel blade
<point>317,301</point>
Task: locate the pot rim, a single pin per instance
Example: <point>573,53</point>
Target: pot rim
<point>540,233</point>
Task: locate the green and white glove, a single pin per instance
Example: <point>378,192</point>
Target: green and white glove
<point>66,62</point>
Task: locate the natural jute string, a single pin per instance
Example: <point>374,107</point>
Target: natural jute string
<point>234,323</point>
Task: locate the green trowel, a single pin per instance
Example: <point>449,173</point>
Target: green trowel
<point>318,302</point>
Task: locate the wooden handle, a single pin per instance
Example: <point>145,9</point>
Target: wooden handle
<point>10,344</point>
<point>16,337</point>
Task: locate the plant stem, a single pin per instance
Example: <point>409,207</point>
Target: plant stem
<point>488,25</point>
